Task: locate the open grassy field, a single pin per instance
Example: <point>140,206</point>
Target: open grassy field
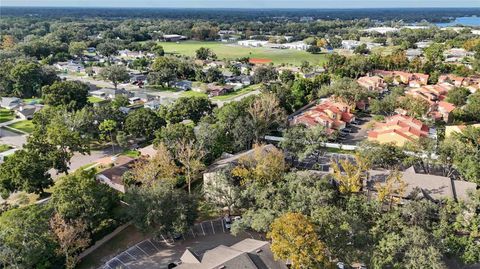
<point>24,125</point>
<point>233,51</point>
<point>94,99</point>
<point>6,115</point>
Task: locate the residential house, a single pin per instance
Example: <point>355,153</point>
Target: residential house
<point>423,44</point>
<point>412,53</point>
<point>138,78</point>
<point>406,78</point>
<point>328,113</point>
<point>184,85</point>
<point>373,83</point>
<point>246,254</point>
<point>26,112</point>
<point>398,129</point>
<point>10,102</point>
<point>299,45</point>
<point>113,176</point>
<point>431,187</point>
<point>455,80</point>
<point>156,103</point>
<point>69,66</point>
<point>224,163</point>
<point>435,95</point>
<point>143,96</point>
<point>456,54</point>
<point>217,90</point>
<point>174,38</point>
<point>252,43</point>
<point>452,129</point>
<point>110,93</point>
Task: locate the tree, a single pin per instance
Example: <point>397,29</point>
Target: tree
<point>107,128</point>
<point>27,79</point>
<point>394,187</point>
<point>387,156</point>
<point>347,90</point>
<point>472,108</point>
<point>160,167</point>
<point>115,73</point>
<point>266,115</point>
<point>362,49</point>
<point>350,175</point>
<point>222,190</point>
<point>73,95</point>
<point>293,238</point>
<point>458,96</point>
<point>24,171</point>
<point>142,123</point>
<point>72,238</point>
<point>434,53</point>
<point>77,48</point>
<point>205,54</point>
<point>265,164</point>
<point>171,134</point>
<point>79,197</point>
<point>25,238</point>
<point>315,139</point>
<point>8,42</point>
<point>287,76</point>
<point>415,107</point>
<point>265,74</point>
<point>158,50</point>
<point>107,48</point>
<point>411,248</point>
<point>120,101</point>
<point>293,140</point>
<point>190,156</point>
<point>188,108</point>
<point>161,208</point>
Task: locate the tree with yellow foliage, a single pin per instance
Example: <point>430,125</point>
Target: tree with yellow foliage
<point>350,174</point>
<point>293,238</point>
<point>265,164</point>
<point>322,43</point>
<point>393,188</point>
<point>160,167</point>
<point>266,114</point>
<point>8,42</point>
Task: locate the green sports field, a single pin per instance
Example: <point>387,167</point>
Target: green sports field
<point>233,51</point>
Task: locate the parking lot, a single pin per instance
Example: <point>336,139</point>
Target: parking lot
<point>357,132</point>
<point>159,252</point>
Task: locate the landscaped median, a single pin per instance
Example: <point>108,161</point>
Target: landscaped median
<point>24,126</point>
<point>6,115</point>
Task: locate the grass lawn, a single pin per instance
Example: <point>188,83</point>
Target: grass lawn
<point>233,51</point>
<point>24,125</point>
<point>193,93</point>
<point>94,99</point>
<point>123,240</point>
<point>33,101</point>
<point>6,115</point>
<point>234,94</point>
<point>131,153</point>
<point>4,147</point>
<point>340,151</point>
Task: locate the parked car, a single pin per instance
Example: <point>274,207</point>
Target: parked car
<point>227,222</point>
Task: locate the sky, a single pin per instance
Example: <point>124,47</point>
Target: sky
<point>246,3</point>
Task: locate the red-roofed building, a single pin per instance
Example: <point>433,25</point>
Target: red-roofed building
<point>373,83</point>
<point>401,77</point>
<point>398,129</point>
<point>330,114</point>
<point>435,95</point>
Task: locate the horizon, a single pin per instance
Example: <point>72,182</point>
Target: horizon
<point>249,4</point>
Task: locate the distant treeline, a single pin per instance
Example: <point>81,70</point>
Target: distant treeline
<point>409,15</point>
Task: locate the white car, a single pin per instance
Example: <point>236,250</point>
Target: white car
<point>227,222</point>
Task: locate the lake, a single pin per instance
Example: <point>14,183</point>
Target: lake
<point>466,21</point>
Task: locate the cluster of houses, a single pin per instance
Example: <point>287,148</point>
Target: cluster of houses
<point>333,115</point>
<point>136,99</point>
<point>21,109</point>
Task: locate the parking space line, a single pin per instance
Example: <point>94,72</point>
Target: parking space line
<point>223,226</point>
<point>121,262</point>
<point>153,244</point>
<point>141,250</point>
<point>191,229</point>
<point>201,225</point>
<point>129,255</point>
<point>211,222</point>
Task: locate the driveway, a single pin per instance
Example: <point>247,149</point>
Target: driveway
<point>78,160</point>
<point>13,139</point>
